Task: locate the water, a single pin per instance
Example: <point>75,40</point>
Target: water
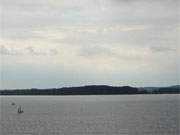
<point>91,115</point>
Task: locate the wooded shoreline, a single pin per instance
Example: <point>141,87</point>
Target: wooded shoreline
<point>92,90</point>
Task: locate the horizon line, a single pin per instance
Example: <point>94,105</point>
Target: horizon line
<point>90,85</point>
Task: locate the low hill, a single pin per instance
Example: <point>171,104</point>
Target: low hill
<point>84,90</point>
<point>94,90</point>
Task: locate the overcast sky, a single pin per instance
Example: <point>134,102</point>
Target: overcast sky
<point>56,43</point>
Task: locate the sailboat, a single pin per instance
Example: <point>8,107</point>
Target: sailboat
<point>20,110</point>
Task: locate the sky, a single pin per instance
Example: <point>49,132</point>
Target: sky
<point>61,43</point>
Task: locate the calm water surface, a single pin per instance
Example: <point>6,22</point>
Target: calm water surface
<point>91,115</point>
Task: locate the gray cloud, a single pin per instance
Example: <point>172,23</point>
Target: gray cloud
<point>163,49</point>
<point>95,51</point>
<point>9,51</point>
<point>101,52</point>
<point>53,52</point>
<point>26,51</point>
<point>32,51</point>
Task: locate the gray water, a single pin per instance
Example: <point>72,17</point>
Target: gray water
<point>91,115</point>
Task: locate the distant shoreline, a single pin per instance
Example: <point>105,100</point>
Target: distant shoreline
<point>94,90</point>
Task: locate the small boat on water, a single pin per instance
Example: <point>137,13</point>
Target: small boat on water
<point>20,110</point>
<point>12,103</point>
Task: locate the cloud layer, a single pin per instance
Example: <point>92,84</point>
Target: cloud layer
<point>127,40</point>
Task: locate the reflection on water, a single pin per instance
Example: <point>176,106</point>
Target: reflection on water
<point>91,115</point>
